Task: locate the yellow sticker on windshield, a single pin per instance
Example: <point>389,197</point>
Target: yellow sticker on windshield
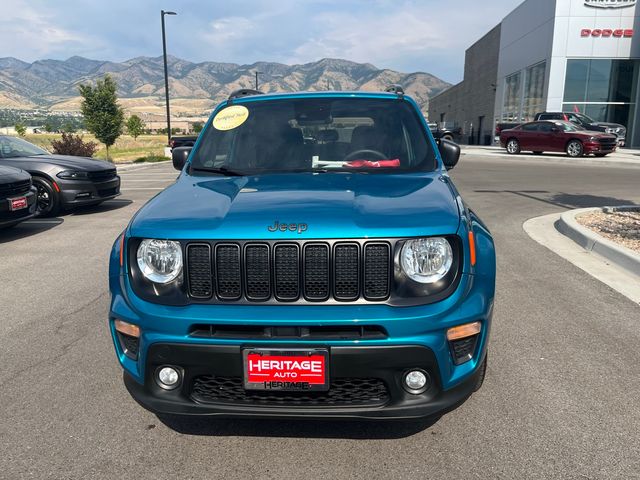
<point>230,117</point>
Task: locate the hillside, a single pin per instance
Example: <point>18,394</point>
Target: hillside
<point>194,87</point>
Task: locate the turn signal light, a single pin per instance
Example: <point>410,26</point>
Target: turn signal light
<point>127,328</point>
<point>464,331</point>
<point>472,248</point>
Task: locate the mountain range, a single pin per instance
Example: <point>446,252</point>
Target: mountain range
<point>194,87</point>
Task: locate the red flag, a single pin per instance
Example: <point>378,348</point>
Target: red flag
<point>576,109</point>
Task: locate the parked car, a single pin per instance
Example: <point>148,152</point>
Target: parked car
<point>278,278</point>
<point>587,123</point>
<point>504,126</point>
<point>557,136</point>
<point>17,196</point>
<point>442,131</point>
<point>183,141</point>
<point>63,182</point>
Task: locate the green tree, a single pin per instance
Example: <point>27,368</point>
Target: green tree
<point>197,127</point>
<point>21,129</point>
<point>135,126</point>
<point>69,127</point>
<point>48,127</point>
<point>102,115</point>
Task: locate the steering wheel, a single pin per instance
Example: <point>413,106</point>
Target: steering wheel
<point>363,155</point>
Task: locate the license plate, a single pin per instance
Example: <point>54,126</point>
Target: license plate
<point>18,203</point>
<point>288,370</point>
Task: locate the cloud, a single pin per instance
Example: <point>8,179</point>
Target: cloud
<point>33,32</point>
<point>407,35</point>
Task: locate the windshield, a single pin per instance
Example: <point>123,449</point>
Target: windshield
<point>569,127</point>
<point>12,147</point>
<point>315,134</point>
<point>584,118</point>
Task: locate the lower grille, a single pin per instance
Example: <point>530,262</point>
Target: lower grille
<point>342,392</point>
<point>108,192</point>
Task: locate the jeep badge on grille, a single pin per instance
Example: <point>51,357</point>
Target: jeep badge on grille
<point>291,227</point>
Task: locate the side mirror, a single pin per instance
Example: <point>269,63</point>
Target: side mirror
<point>450,153</point>
<point>179,156</point>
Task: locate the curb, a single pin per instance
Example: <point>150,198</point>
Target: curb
<point>127,167</point>
<point>557,159</point>
<point>591,241</point>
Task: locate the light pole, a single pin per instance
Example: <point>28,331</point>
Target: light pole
<point>257,73</point>
<point>166,75</point>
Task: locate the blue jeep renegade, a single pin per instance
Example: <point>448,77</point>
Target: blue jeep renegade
<point>313,259</point>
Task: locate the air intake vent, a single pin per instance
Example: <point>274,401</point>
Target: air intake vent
<point>287,272</point>
<point>376,271</point>
<point>316,272</point>
<point>200,274</point>
<point>228,281</point>
<point>257,271</point>
<point>346,271</point>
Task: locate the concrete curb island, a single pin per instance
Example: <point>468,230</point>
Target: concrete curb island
<point>591,241</point>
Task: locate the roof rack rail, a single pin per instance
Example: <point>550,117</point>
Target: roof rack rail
<point>244,92</point>
<point>395,88</point>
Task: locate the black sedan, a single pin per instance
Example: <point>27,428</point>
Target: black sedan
<point>63,182</point>
<point>17,196</point>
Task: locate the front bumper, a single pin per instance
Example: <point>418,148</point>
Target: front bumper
<point>8,217</point>
<point>596,147</point>
<point>416,338</point>
<point>387,363</point>
<point>85,192</point>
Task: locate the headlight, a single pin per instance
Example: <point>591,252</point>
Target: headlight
<point>426,260</point>
<point>73,175</point>
<point>160,260</point>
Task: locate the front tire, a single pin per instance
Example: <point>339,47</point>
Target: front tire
<point>513,146</point>
<point>48,199</point>
<point>447,137</point>
<point>575,149</point>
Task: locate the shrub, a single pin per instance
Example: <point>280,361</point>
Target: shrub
<point>71,144</point>
<point>151,158</point>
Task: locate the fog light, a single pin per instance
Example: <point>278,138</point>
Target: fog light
<point>416,381</point>
<point>168,377</point>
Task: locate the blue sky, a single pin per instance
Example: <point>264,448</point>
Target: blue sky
<point>406,35</point>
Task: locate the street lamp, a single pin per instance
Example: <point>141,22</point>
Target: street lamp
<point>166,76</point>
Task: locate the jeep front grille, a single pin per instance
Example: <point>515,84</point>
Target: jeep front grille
<point>312,271</point>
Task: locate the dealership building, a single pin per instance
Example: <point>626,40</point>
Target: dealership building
<point>549,55</point>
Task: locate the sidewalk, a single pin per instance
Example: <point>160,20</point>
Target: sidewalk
<point>623,156</point>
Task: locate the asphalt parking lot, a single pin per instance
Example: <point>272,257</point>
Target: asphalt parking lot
<point>560,399</point>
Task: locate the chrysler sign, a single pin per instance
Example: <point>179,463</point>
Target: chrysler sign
<point>609,3</point>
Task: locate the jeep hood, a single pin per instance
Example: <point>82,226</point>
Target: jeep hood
<point>332,205</point>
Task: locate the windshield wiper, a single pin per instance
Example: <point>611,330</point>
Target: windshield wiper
<point>219,170</point>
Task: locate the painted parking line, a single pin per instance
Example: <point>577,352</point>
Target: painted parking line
<point>151,180</point>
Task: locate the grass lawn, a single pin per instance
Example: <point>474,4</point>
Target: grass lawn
<point>126,149</point>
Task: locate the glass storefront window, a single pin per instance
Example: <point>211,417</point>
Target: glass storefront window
<point>511,104</point>
<point>534,91</point>
<point>603,89</point>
